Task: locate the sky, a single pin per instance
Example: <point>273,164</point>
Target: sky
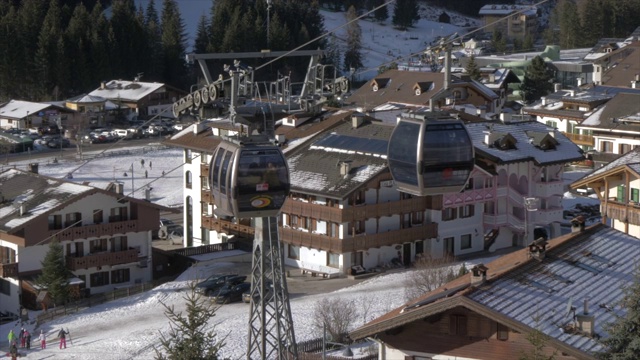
<point>129,328</point>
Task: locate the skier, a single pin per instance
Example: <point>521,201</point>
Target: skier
<point>63,338</point>
<point>27,336</point>
<point>43,340</point>
<point>11,337</point>
<point>22,337</point>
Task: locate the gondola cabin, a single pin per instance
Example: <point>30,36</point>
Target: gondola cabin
<point>430,153</point>
<point>248,180</point>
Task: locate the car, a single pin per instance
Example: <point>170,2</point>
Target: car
<point>230,293</point>
<point>211,285</point>
<point>246,296</point>
<point>58,142</point>
<point>168,228</point>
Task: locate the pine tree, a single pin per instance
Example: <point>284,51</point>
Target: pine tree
<point>55,275</point>
<point>353,56</point>
<point>472,68</point>
<point>569,22</point>
<point>623,342</point>
<point>381,14</point>
<point>173,44</point>
<point>537,80</point>
<point>201,42</point>
<point>405,14</point>
<point>47,53</point>
<point>527,44</point>
<point>153,71</point>
<point>189,336</point>
<point>498,41</point>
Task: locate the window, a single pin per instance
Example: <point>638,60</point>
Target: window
<point>606,146</point>
<point>621,196</point>
<point>187,156</point>
<point>635,195</point>
<point>465,241</point>
<point>624,148</point>
<point>359,197</point>
<point>118,214</point>
<point>73,220</point>
<point>294,252</point>
<point>204,208</point>
<point>119,243</point>
<point>120,276</point>
<point>417,217</point>
<point>55,222</point>
<point>458,325</point>
<point>467,211</point>
<point>502,333</point>
<point>448,214</point>
<point>5,287</point>
<point>205,181</point>
<point>97,246</point>
<point>333,260</point>
<point>358,227</point>
<point>99,279</point>
<point>203,158</point>
<point>293,221</point>
<point>97,216</point>
<point>188,180</point>
<point>333,231</point>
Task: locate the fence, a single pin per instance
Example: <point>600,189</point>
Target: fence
<point>125,152</point>
<point>93,300</point>
<point>312,350</point>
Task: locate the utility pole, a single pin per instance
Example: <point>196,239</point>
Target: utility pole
<point>133,188</point>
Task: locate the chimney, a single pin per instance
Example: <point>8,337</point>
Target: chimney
<point>505,117</point>
<point>572,93</point>
<point>586,322</point>
<point>538,249</point>
<point>637,77</point>
<point>557,87</point>
<point>635,84</point>
<point>23,208</point>
<point>492,78</point>
<point>480,111</point>
<point>103,85</point>
<point>478,274</point>
<point>579,80</point>
<point>33,167</point>
<point>544,100</point>
<point>356,120</point>
<point>577,224</point>
<point>345,167</point>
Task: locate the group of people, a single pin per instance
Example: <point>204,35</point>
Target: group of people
<point>24,338</point>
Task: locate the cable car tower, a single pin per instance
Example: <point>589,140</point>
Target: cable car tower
<point>249,178</point>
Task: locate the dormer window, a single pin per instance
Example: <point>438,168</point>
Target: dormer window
<point>379,83</point>
<point>421,87</point>
<point>502,141</point>
<point>543,140</point>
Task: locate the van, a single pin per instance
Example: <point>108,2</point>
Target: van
<point>123,134</point>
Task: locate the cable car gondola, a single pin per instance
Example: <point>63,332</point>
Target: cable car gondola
<point>248,179</point>
<point>430,154</point>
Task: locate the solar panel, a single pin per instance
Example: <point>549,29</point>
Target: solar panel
<point>352,143</point>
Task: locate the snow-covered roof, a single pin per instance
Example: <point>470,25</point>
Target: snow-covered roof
<point>18,109</point>
<point>84,98</point>
<point>36,194</point>
<point>525,148</point>
<point>508,9</point>
<point>527,294</point>
<point>126,90</point>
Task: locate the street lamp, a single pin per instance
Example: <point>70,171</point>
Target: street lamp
<point>530,204</point>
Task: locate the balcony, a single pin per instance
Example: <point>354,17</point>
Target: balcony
<point>103,259</point>
<point>96,230</point>
<point>623,212</point>
<point>550,188</point>
<point>362,212</point>
<point>358,242</point>
<point>580,139</point>
<point>227,227</point>
<point>206,196</point>
<point>9,270</point>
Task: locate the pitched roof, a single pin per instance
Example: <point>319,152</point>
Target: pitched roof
<point>18,109</point>
<point>126,90</point>
<point>315,167</point>
<point>525,146</point>
<point>613,114</point>
<point>630,160</point>
<point>595,264</point>
<point>40,195</point>
<point>626,68</point>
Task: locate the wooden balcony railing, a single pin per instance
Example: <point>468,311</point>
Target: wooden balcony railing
<point>362,212</point>
<point>227,227</point>
<point>9,270</point>
<point>96,230</point>
<point>357,242</point>
<point>580,139</point>
<point>102,259</point>
<point>623,212</point>
<point>206,196</point>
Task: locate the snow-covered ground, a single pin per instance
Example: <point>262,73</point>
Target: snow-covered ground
<point>129,328</point>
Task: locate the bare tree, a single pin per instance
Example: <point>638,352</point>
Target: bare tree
<point>430,274</point>
<point>337,314</point>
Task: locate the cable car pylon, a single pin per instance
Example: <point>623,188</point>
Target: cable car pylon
<point>249,178</point>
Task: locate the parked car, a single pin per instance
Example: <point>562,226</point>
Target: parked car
<point>246,296</point>
<point>231,293</point>
<point>58,142</point>
<point>212,284</point>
